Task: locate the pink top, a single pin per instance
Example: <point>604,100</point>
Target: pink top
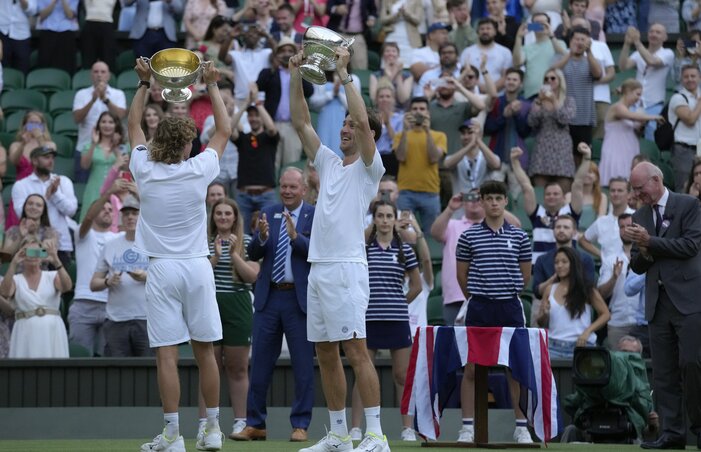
<point>449,279</point>
<point>306,12</point>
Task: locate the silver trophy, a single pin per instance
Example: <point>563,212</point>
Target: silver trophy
<point>319,46</point>
<point>175,69</point>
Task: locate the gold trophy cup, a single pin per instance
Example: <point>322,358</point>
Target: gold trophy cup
<point>175,69</point>
<point>319,46</point>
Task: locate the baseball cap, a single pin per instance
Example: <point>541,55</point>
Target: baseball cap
<point>130,202</point>
<point>465,125</point>
<point>439,26</point>
<point>42,150</point>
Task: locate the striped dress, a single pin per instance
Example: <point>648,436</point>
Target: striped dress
<point>387,299</point>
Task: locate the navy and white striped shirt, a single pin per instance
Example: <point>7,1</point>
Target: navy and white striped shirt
<point>494,258</point>
<point>387,299</point>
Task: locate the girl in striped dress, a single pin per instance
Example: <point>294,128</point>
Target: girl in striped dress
<point>233,275</point>
<point>387,316</point>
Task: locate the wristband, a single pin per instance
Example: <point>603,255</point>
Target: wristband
<point>107,284</point>
<point>347,80</point>
<point>58,268</point>
<point>145,83</point>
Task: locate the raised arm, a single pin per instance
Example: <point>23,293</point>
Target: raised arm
<point>301,119</point>
<point>624,61</point>
<point>578,184</point>
<point>364,136</point>
<point>222,128</point>
<point>136,111</point>
<point>529,200</point>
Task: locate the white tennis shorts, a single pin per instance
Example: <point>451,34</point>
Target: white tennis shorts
<point>181,302</point>
<point>337,299</point>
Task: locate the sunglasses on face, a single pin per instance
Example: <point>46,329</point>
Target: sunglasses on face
<point>470,76</point>
<point>549,79</point>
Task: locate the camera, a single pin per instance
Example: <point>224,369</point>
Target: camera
<point>470,197</point>
<point>419,119</point>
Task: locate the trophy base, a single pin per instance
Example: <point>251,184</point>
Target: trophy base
<point>175,96</point>
<point>312,74</point>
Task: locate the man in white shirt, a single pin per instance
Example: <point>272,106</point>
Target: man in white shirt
<point>427,57</point>
<point>15,32</point>
<point>604,230</point>
<point>339,289</point>
<point>684,113</point>
<point>121,272</point>
<point>652,64</point>
<point>89,103</point>
<point>612,278</point>
<point>87,316</point>
<point>172,232</point>
<point>499,58</point>
<point>58,193</point>
<point>247,62</point>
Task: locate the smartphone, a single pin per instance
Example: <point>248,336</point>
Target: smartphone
<point>690,45</point>
<point>535,26</point>
<point>224,243</point>
<point>126,175</point>
<point>385,195</point>
<point>470,197</point>
<point>405,214</point>
<point>37,252</point>
<point>546,88</point>
<point>33,126</point>
<point>123,149</point>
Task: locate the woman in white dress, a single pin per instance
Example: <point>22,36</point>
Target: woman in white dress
<point>39,331</point>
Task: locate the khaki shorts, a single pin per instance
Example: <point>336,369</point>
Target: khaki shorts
<point>337,299</point>
<point>181,302</point>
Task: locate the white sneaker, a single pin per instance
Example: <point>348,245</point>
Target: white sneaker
<point>467,434</point>
<point>356,434</point>
<point>161,443</point>
<point>331,443</point>
<point>522,435</point>
<point>210,439</point>
<point>238,426</point>
<point>408,434</point>
<point>373,443</point>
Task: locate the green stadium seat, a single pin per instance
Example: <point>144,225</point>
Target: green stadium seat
<point>48,80</point>
<point>127,80</point>
<point>12,79</point>
<point>596,144</point>
<point>79,190</point>
<point>668,174</point>
<point>13,121</point>
<point>374,61</point>
<point>83,79</point>
<point>126,61</point>
<point>129,94</point>
<point>22,99</point>
<point>61,101</point>
<point>6,139</point>
<point>65,146</point>
<point>34,59</point>
<point>650,149</point>
<point>364,77</point>
<point>436,249</point>
<point>10,175</point>
<point>64,124</point>
<point>434,310</point>
<point>6,194</point>
<point>65,166</point>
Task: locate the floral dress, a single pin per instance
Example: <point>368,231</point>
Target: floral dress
<point>552,155</point>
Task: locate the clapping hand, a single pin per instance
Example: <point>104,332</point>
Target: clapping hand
<point>617,268</point>
<point>289,225</point>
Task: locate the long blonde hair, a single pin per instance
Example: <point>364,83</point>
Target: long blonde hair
<point>562,91</point>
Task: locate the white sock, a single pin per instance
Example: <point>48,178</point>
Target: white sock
<point>212,417</point>
<point>338,423</point>
<point>172,427</point>
<point>201,422</point>
<point>372,421</point>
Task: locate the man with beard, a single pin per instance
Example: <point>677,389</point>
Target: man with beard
<point>498,57</point>
<point>247,62</point>
<point>275,83</point>
<point>544,268</point>
<point>58,193</point>
<point>612,278</point>
<point>448,57</point>
<point>284,18</point>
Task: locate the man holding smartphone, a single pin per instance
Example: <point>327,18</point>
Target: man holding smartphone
<point>419,150</point>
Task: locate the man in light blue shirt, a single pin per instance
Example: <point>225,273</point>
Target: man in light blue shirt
<point>57,24</point>
<point>15,32</point>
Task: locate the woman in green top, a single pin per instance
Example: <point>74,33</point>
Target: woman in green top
<point>99,156</point>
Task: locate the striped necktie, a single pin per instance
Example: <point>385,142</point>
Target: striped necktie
<point>283,244</point>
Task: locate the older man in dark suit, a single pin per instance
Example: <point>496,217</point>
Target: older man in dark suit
<point>667,238</point>
<point>282,241</point>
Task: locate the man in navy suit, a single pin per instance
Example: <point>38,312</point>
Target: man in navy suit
<point>667,238</point>
<point>282,241</point>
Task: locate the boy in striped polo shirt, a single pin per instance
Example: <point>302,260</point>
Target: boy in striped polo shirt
<point>493,267</point>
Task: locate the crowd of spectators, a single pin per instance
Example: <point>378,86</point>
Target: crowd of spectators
<point>527,93</point>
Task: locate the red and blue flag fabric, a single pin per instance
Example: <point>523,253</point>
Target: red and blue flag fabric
<point>439,352</point>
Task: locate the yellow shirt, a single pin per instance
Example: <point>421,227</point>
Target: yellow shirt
<point>416,172</point>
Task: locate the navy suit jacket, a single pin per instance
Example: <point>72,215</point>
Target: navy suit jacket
<point>298,258</point>
<point>269,83</point>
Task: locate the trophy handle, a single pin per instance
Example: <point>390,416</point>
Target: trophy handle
<point>348,43</point>
<point>146,60</point>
